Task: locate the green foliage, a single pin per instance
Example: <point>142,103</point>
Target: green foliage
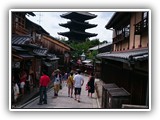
<point>83,47</point>
<point>80,47</point>
<point>92,54</point>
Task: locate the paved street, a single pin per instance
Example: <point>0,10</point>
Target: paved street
<point>63,101</point>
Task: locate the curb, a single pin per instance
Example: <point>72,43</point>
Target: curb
<point>30,101</point>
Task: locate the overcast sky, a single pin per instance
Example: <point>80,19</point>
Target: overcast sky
<point>50,22</point>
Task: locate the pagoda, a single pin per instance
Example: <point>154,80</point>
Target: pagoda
<point>77,26</point>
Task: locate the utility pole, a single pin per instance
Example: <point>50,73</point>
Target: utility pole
<point>40,18</point>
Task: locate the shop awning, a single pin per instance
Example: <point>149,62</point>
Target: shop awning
<point>42,52</point>
<point>99,46</point>
<point>23,56</point>
<point>89,64</point>
<point>18,48</point>
<point>51,56</point>
<point>87,61</point>
<point>126,56</point>
<point>47,64</point>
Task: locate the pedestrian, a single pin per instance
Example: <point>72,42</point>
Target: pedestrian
<point>65,77</point>
<point>70,85</point>
<point>29,81</point>
<point>16,91</point>
<point>23,78</point>
<point>43,84</point>
<point>57,82</point>
<point>91,85</point>
<point>78,83</point>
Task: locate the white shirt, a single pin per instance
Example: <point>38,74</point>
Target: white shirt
<point>16,89</point>
<point>29,78</point>
<point>78,80</point>
<point>57,80</point>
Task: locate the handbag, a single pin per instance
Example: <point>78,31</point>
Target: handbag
<point>60,87</point>
<point>87,87</point>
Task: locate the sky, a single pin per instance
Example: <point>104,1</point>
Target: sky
<point>50,22</point>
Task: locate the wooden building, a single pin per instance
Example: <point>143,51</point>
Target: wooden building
<point>104,47</point>
<point>21,58</point>
<point>19,22</point>
<point>127,64</point>
<point>60,49</point>
<point>33,49</point>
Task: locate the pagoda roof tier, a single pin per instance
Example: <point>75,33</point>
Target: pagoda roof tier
<point>73,33</point>
<point>80,16</point>
<point>74,24</point>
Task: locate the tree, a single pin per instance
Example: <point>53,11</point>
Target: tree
<point>80,47</point>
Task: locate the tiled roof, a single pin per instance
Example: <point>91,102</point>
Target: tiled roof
<point>87,14</point>
<point>74,32</point>
<point>138,54</point>
<point>80,13</point>
<point>100,46</point>
<point>47,64</point>
<point>74,23</point>
<point>20,40</point>
<point>18,48</point>
<point>52,56</point>
<point>40,52</point>
<point>55,39</point>
<point>38,28</point>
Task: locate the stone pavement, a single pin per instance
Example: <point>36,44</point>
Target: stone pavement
<point>63,101</point>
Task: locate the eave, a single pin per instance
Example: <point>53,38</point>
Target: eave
<point>118,20</point>
<point>82,16</point>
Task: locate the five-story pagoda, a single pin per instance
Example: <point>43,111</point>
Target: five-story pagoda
<point>78,25</point>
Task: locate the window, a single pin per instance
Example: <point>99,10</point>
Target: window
<point>38,36</point>
<point>19,20</point>
<point>16,22</point>
<point>145,16</point>
<point>126,30</point>
<point>119,32</point>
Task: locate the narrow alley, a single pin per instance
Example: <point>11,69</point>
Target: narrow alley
<point>63,101</point>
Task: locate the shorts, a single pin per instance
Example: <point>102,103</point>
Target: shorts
<point>77,91</point>
<point>22,84</point>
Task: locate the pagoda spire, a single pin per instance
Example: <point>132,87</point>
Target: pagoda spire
<point>77,26</point>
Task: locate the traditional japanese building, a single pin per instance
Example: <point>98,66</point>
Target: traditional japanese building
<point>33,50</point>
<point>127,65</point>
<point>78,25</point>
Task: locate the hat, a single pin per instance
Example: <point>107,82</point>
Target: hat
<point>72,71</point>
<point>57,70</point>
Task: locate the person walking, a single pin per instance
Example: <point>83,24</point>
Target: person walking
<point>44,82</point>
<point>16,91</point>
<point>70,85</point>
<point>78,83</point>
<point>23,78</point>
<point>90,84</point>
<point>65,77</point>
<point>57,82</point>
<point>29,81</point>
